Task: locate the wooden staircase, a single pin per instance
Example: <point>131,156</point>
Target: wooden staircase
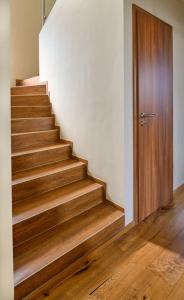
<point>59,212</point>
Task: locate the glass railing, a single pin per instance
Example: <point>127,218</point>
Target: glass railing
<point>47,7</point>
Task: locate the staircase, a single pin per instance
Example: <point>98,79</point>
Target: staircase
<point>59,212</point>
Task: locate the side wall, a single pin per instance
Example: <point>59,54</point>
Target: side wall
<point>26,23</point>
<point>81,56</point>
<point>171,11</point>
<point>6,253</point>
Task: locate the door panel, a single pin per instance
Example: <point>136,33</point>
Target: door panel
<point>153,120</point>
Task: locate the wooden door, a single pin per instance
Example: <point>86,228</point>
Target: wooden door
<point>153,113</point>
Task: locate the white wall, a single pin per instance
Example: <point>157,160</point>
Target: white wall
<point>81,55</point>
<point>26,23</point>
<point>171,11</point>
<point>6,264</point>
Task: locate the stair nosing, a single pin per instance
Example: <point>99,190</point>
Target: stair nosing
<point>32,118</point>
<point>32,132</point>
<point>39,149</point>
<point>27,86</point>
<point>37,106</point>
<point>33,95</point>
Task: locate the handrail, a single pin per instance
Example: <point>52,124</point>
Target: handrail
<point>47,6</point>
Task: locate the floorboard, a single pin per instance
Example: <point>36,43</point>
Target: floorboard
<point>146,263</point>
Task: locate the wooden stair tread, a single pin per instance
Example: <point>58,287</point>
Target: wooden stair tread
<point>24,210</point>
<point>29,96</point>
<point>32,118</point>
<point>31,106</point>
<point>40,149</point>
<point>35,254</point>
<point>27,86</point>
<point>30,81</point>
<point>31,132</point>
<point>31,174</point>
<point>33,95</point>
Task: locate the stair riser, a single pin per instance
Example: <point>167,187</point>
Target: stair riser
<point>30,111</point>
<point>37,186</point>
<point>39,158</point>
<point>29,90</point>
<point>30,100</point>
<point>34,139</point>
<point>30,228</point>
<point>30,125</point>
<point>27,286</point>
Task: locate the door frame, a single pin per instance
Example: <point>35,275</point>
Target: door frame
<point>136,9</point>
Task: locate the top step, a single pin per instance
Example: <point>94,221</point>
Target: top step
<point>29,81</point>
<point>40,89</point>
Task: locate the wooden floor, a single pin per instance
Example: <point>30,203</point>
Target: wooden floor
<point>146,263</point>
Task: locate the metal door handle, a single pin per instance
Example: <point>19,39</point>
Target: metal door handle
<point>147,115</point>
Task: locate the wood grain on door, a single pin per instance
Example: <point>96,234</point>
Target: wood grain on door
<point>153,113</point>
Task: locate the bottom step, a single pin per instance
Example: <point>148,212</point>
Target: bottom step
<point>37,260</point>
